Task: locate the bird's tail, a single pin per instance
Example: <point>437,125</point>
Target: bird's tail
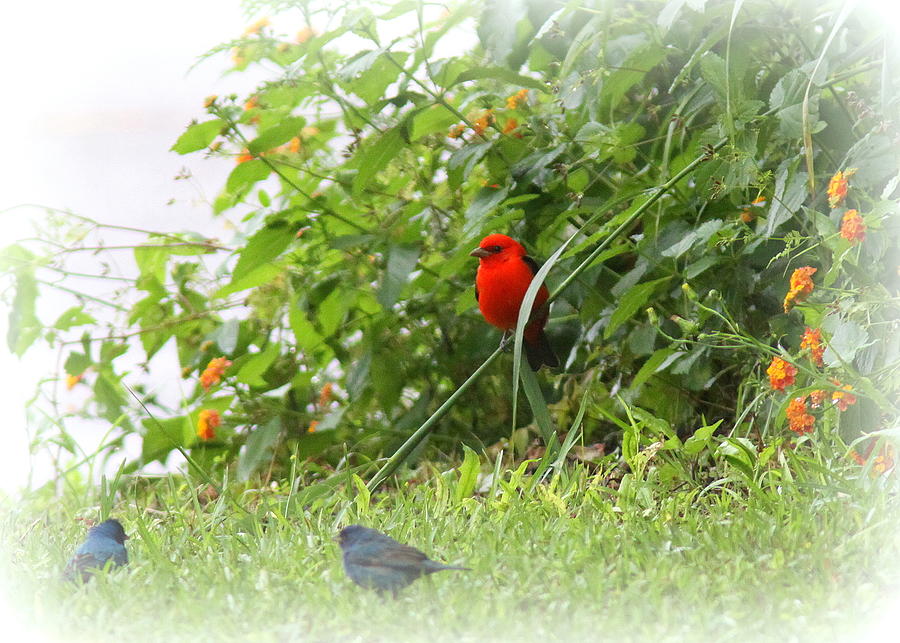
<point>539,352</point>
<point>432,567</point>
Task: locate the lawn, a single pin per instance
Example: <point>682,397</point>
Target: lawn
<point>567,559</point>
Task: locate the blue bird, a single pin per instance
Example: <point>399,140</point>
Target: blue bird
<point>105,545</point>
<point>376,561</point>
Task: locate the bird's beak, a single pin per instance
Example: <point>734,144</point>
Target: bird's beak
<point>480,253</point>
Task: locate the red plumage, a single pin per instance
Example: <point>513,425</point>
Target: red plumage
<point>504,273</point>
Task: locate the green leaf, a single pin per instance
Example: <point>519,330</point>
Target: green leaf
<point>484,202</point>
<point>634,299</point>
<point>77,363</point>
<point>375,156</point>
<point>700,440</point>
<point>260,275</point>
<point>285,130</point>
<point>468,475</point>
<point>252,370</point>
<point>24,325</point>
<point>74,316</point>
<point>847,339</point>
<point>535,396</point>
<point>305,334</point>
<point>198,135</point>
<point>258,447</point>
<point>162,436</point>
<point>500,73</point>
<point>331,311</point>
<point>401,262</point>
<point>262,248</point>
<point>651,366</point>
<point>790,192</point>
<point>636,66</point>
<point>498,29</point>
<point>244,176</point>
<point>436,118</point>
<point>151,262</point>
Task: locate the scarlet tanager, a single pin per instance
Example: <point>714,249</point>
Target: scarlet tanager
<point>504,273</point>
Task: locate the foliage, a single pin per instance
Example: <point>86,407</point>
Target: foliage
<point>378,155</point>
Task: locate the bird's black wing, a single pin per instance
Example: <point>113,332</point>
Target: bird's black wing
<point>534,265</point>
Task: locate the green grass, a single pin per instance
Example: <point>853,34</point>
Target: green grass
<point>568,560</point>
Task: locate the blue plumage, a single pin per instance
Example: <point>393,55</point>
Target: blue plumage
<point>376,561</point>
<point>105,545</point>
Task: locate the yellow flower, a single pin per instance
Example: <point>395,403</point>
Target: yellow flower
<point>519,97</point>
<point>325,394</point>
<point>837,187</point>
<point>781,374</point>
<point>305,34</point>
<point>483,122</point>
<point>256,27</point>
<point>853,228</point>
<point>843,398</point>
<point>72,380</point>
<point>207,422</point>
<point>456,131</point>
<point>209,100</point>
<point>799,421</point>
<point>801,286</point>
<point>812,340</point>
<point>214,371</point>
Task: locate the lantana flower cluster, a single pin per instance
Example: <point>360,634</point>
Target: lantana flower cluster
<point>782,372</point>
<point>482,120</point>
<point>853,228</point>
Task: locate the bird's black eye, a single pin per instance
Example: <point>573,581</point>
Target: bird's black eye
<point>495,248</point>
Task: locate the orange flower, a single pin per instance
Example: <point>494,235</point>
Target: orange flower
<point>799,421</point>
<point>510,128</point>
<point>853,228</point>
<point>213,372</point>
<point>207,422</point>
<point>72,380</point>
<point>884,461</point>
<point>243,157</point>
<point>209,100</point>
<point>251,103</point>
<point>519,97</point>
<point>312,426</point>
<point>305,34</point>
<point>747,215</point>
<point>837,187</point>
<point>812,340</point>
<point>781,374</point>
<point>309,131</point>
<point>843,399</point>
<point>483,122</point>
<point>325,394</point>
<point>293,145</point>
<point>817,397</point>
<point>456,131</point>
<point>256,27</point>
<point>801,286</point>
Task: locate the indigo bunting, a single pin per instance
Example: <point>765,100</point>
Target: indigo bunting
<point>105,543</point>
<point>377,561</point>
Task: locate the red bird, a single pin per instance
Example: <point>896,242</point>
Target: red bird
<point>504,273</point>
